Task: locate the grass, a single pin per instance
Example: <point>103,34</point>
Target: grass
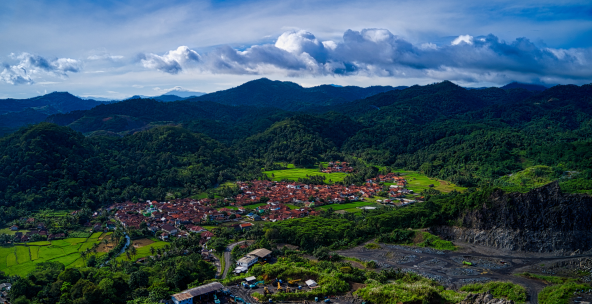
<point>419,182</point>
<point>253,206</point>
<point>40,243</point>
<point>372,246</point>
<point>21,259</point>
<point>144,251</point>
<point>560,294</point>
<point>10,232</point>
<point>507,290</point>
<point>96,235</point>
<point>34,252</point>
<point>547,279</point>
<point>432,241</point>
<point>350,207</point>
<point>22,254</point>
<point>295,173</point>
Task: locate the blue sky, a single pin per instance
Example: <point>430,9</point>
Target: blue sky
<point>122,48</point>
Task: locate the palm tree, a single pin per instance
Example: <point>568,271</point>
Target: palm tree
<point>152,250</point>
<point>127,254</point>
<point>133,251</point>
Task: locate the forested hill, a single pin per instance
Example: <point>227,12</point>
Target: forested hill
<point>290,96</point>
<point>469,137</point>
<point>46,165</point>
<point>18,112</point>
<point>225,123</point>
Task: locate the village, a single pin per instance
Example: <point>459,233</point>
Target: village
<point>274,201</point>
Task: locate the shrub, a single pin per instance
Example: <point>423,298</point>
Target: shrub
<point>506,290</point>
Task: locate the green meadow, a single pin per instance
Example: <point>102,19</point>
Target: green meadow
<point>349,207</point>
<point>293,173</point>
<point>20,259</point>
<point>419,182</point>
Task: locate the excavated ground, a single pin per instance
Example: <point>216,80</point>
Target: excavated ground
<point>446,267</point>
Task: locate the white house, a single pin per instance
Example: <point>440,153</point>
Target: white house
<point>247,261</point>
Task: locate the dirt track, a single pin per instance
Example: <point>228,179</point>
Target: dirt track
<point>447,267</point>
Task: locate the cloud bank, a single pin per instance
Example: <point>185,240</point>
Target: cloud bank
<point>365,53</point>
<point>377,52</point>
<point>30,65</point>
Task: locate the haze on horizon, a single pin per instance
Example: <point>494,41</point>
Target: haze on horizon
<point>116,49</point>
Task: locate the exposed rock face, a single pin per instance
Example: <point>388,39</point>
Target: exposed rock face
<point>484,298</point>
<point>542,220</point>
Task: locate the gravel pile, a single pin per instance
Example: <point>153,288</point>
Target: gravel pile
<point>487,263</point>
<point>463,272</point>
<point>399,258</point>
<point>473,280</point>
<point>416,249</point>
<point>438,278</point>
<point>433,263</point>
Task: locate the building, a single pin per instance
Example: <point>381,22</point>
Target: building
<point>261,253</point>
<point>247,261</point>
<point>197,293</point>
<point>169,229</point>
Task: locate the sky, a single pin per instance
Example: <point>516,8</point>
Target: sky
<point>116,49</point>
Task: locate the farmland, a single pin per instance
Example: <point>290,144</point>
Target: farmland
<point>22,258</point>
<point>294,174</point>
<point>349,207</point>
<point>419,182</point>
<point>143,247</point>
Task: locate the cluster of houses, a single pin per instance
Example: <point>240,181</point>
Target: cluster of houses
<point>4,288</point>
<point>295,193</point>
<point>284,200</point>
<point>165,218</point>
<point>40,230</point>
<point>338,166</point>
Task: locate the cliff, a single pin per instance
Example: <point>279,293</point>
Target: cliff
<point>542,220</point>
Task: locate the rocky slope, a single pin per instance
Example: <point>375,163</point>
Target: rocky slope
<point>484,298</point>
<point>542,220</point>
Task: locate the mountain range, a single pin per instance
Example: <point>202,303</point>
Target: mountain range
<point>258,93</point>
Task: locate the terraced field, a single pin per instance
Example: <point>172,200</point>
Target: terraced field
<point>22,258</point>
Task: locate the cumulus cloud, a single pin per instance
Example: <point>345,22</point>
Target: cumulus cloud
<point>378,52</point>
<point>172,62</point>
<point>30,65</point>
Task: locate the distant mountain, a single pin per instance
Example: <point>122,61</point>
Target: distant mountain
<point>180,92</point>
<point>526,86</point>
<point>222,122</point>
<point>290,96</point>
<point>18,112</point>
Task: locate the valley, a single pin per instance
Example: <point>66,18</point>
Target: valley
<point>379,195</point>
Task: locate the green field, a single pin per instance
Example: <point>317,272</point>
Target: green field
<point>21,259</point>
<point>145,250</point>
<point>419,182</point>
<point>296,173</point>
<point>349,207</point>
<point>10,232</point>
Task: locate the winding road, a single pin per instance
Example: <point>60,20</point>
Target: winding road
<point>227,258</point>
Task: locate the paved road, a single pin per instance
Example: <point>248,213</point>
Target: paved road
<point>227,258</point>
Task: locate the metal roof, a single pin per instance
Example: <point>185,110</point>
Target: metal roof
<point>250,279</point>
<point>198,291</point>
<point>262,252</point>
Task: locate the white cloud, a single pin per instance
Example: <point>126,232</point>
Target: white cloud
<point>173,61</point>
<point>377,52</point>
<point>30,65</point>
<point>464,38</point>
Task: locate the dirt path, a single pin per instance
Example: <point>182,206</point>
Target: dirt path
<point>448,268</point>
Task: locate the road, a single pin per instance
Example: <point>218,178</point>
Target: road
<point>227,258</point>
<point>447,267</point>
